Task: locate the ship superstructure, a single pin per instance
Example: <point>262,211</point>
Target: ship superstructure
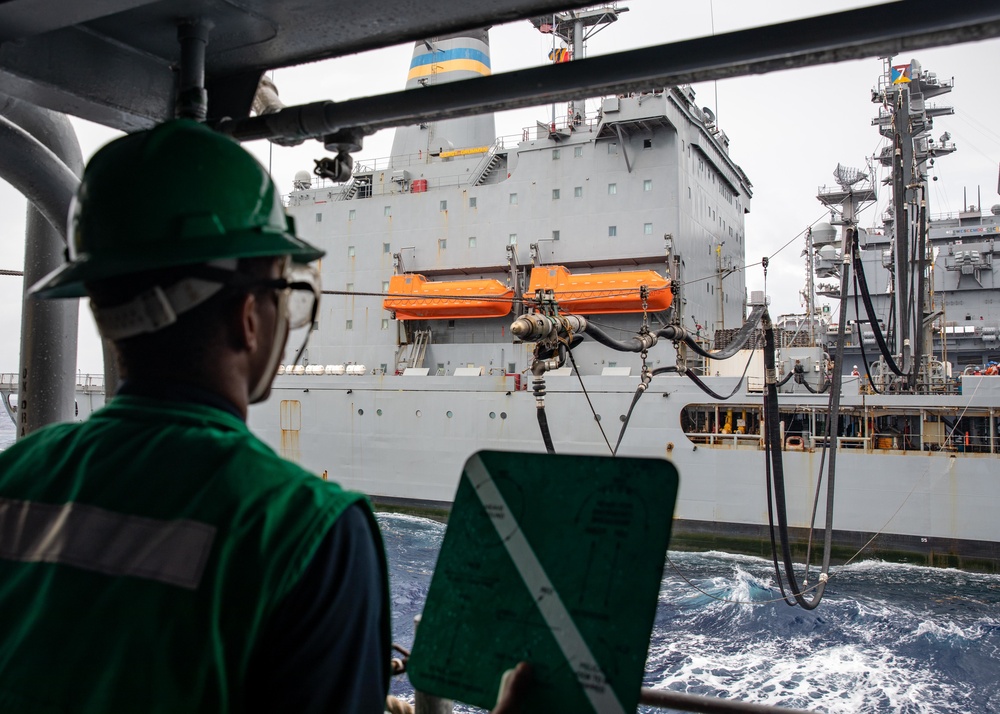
<point>949,312</point>
<point>644,183</point>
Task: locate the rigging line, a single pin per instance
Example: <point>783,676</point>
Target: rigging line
<point>800,234</point>
<point>13,273</point>
<point>597,418</point>
<point>983,128</point>
<point>964,410</point>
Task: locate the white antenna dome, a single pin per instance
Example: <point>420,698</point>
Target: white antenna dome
<point>302,180</point>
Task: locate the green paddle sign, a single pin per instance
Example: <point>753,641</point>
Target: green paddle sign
<point>553,560</point>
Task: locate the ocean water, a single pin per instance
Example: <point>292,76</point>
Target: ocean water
<point>886,638</point>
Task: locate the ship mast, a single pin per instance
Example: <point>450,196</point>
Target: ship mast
<point>574,28</point>
<point>907,119</point>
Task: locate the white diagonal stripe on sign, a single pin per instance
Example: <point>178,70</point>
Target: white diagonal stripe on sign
<point>588,672</point>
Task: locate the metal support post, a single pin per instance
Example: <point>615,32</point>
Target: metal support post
<point>48,328</point>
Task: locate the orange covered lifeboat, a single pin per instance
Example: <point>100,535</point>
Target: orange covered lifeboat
<point>602,293</point>
<point>413,297</point>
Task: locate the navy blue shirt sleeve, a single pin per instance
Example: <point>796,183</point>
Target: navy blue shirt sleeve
<point>326,648</point>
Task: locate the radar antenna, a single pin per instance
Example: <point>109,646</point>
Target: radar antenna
<point>847,176</point>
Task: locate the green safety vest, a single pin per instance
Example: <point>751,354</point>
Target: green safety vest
<point>141,554</point>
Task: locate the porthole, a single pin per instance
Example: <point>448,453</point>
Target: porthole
<point>449,414</point>
<point>361,412</point>
<point>503,415</point>
<point>493,415</point>
<point>418,413</point>
<point>379,412</point>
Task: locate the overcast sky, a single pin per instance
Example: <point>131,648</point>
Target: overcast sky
<point>788,131</point>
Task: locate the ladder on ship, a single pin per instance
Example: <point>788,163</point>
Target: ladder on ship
<point>412,354</point>
<point>358,185</point>
<point>495,158</point>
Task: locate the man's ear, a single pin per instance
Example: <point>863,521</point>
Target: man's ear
<point>248,334</point>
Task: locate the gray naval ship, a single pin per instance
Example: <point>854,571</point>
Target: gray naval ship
<point>630,219</point>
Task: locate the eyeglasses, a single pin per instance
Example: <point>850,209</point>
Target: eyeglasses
<point>298,293</point>
<point>298,288</point>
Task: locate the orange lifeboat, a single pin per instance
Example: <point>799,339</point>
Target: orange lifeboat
<point>413,297</point>
<point>602,293</point>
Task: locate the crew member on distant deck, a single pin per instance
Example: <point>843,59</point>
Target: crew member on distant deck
<point>855,372</point>
<point>158,557</point>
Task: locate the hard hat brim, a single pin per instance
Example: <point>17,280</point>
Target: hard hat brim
<point>69,280</point>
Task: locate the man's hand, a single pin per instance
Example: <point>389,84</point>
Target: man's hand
<point>513,686</point>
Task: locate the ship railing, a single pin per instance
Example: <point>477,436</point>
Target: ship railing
<point>971,444</point>
<point>90,382</point>
<point>8,381</point>
<point>734,440</point>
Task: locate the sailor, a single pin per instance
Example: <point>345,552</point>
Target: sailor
<point>855,372</point>
<point>158,557</point>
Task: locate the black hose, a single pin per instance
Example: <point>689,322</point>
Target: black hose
<point>643,383</point>
<point>826,386</point>
<point>635,344</point>
<point>705,388</point>
<point>870,311</point>
<point>861,339</point>
<point>543,425</point>
<point>742,337</point>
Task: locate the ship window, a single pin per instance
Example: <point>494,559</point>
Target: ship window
<point>351,214</point>
<point>319,217</point>
<point>440,369</point>
<point>612,231</point>
<point>444,205</point>
<point>315,325</point>
<point>612,147</point>
<point>577,151</point>
<point>513,199</point>
<point>451,323</point>
<point>472,241</point>
<point>555,235</point>
<point>647,229</point>
<point>578,192</point>
<point>689,192</point>
<point>386,248</point>
<point>442,243</point>
<point>511,368</point>
<point>555,154</point>
<point>612,364</point>
<point>350,287</point>
<point>555,194</point>
<point>350,251</point>
<point>512,239</point>
<point>472,202</point>
<point>385,324</point>
<point>349,325</point>
<point>647,143</point>
<point>387,211</point>
<point>612,189</point>
<point>385,286</point>
<point>384,368</point>
<point>647,185</point>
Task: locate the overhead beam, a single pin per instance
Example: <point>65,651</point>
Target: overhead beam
<point>874,31</point>
<point>76,72</point>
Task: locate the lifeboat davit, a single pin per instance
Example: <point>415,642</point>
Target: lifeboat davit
<point>602,293</point>
<point>413,297</point>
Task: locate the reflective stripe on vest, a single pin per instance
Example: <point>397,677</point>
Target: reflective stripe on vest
<point>91,538</point>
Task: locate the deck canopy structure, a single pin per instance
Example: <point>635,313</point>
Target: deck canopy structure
<point>116,62</point>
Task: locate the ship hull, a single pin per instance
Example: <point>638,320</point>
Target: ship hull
<point>404,440</point>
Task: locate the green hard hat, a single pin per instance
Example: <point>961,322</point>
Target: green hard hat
<point>178,194</point>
